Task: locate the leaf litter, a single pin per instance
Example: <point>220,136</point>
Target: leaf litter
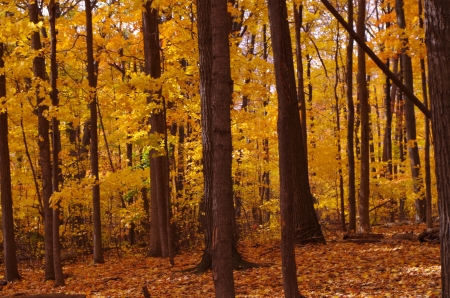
<point>338,269</point>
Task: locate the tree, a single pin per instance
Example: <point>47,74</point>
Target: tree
<point>9,242</point>
<point>56,144</point>
<point>350,127</point>
<point>44,142</point>
<point>222,187</point>
<point>91,71</point>
<point>289,140</point>
<point>438,53</point>
<point>207,93</point>
<point>364,191</point>
<point>410,119</point>
<point>159,175</point>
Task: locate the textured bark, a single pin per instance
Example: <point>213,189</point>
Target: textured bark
<point>289,140</point>
<point>410,119</point>
<point>428,198</point>
<point>350,128</point>
<point>364,191</point>
<point>222,189</point>
<point>438,50</point>
<point>206,207</point>
<point>96,217</point>
<point>57,177</point>
<point>298,17</point>
<point>159,174</point>
<point>9,242</point>
<point>44,146</point>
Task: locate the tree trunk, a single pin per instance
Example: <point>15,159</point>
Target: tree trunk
<point>9,242</point>
<point>438,48</point>
<point>364,191</point>
<point>350,128</point>
<point>289,140</point>
<point>91,70</point>
<point>44,146</point>
<point>204,26</point>
<point>159,174</point>
<point>222,189</point>
<point>298,16</point>
<point>428,198</point>
<point>57,173</point>
<point>410,119</point>
<point>338,132</point>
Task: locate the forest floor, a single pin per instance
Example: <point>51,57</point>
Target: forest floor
<point>338,269</point>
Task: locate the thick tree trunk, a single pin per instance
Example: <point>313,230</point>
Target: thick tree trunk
<point>350,128</point>
<point>57,173</point>
<point>364,191</point>
<point>222,189</point>
<point>410,119</point>
<point>91,70</point>
<point>438,48</point>
<point>44,146</point>
<point>9,242</point>
<point>204,26</point>
<point>289,140</point>
<point>159,174</point>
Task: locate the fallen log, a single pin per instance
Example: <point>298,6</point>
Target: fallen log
<point>405,236</point>
<point>429,235</point>
<point>363,238</point>
<point>53,295</point>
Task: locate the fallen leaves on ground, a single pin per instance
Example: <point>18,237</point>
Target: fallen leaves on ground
<point>338,269</point>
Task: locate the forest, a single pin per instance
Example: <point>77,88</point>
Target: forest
<point>224,148</point>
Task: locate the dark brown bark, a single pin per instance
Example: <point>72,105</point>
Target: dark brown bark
<point>410,119</point>
<point>44,146</point>
<point>289,140</point>
<point>91,70</point>
<point>438,50</point>
<point>9,242</point>
<point>350,127</point>
<point>159,174</point>
<point>222,193</point>
<point>206,207</point>
<point>364,190</point>
<point>428,198</point>
<point>338,132</point>
<point>298,16</point>
<point>56,143</point>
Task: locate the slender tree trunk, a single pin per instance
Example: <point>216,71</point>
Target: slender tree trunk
<point>438,49</point>
<point>298,16</point>
<point>91,70</point>
<point>44,146</point>
<point>288,140</point>
<point>159,175</point>
<point>338,133</point>
<point>428,207</point>
<point>9,242</point>
<point>364,191</point>
<point>410,118</point>
<point>350,128</point>
<point>56,161</point>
